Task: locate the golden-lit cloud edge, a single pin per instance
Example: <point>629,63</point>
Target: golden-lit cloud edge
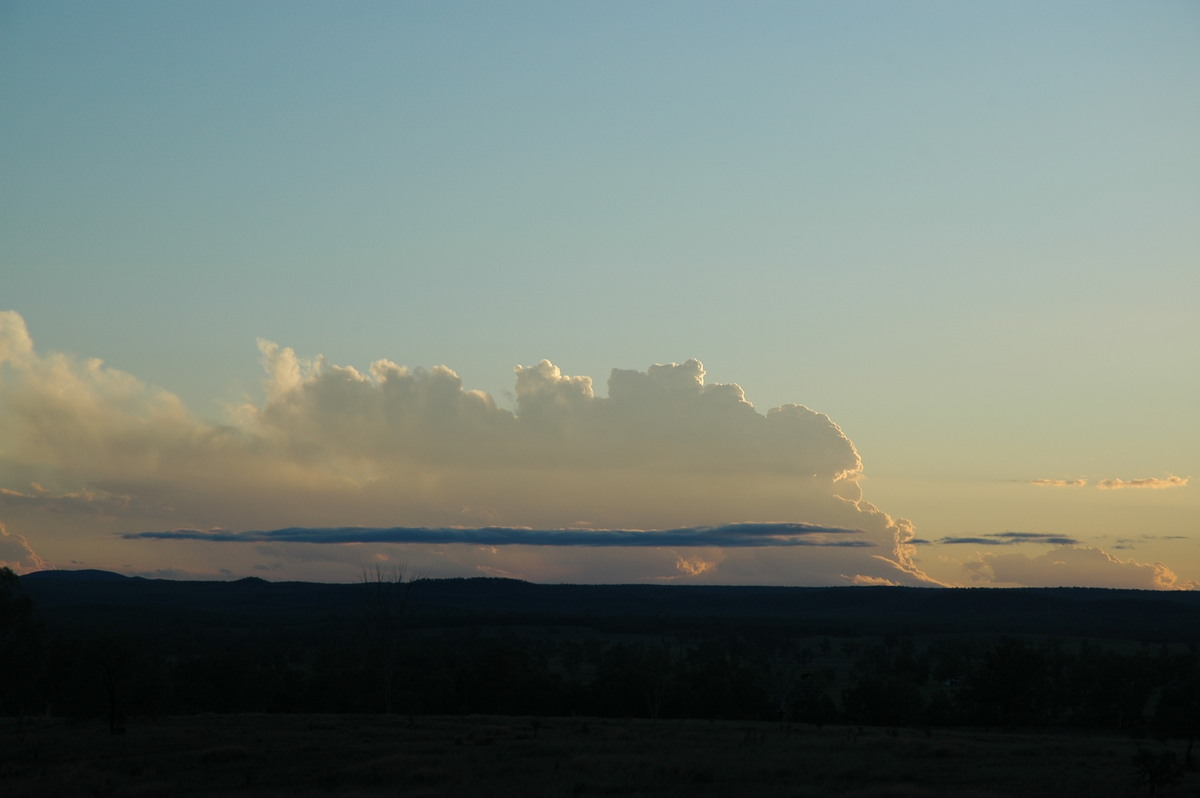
<point>17,554</point>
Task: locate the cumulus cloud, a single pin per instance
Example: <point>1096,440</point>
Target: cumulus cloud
<point>665,460</point>
<point>1071,566</point>
<point>1058,483</point>
<point>1148,483</point>
<point>16,345</point>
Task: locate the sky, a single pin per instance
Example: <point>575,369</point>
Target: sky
<point>801,293</point>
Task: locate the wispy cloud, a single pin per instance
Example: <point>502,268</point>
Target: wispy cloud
<point>1148,483</point>
<point>1130,543</point>
<point>1071,566</point>
<point>79,501</point>
<point>1011,539</point>
<point>728,536</point>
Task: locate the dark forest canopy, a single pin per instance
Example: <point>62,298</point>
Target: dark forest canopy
<point>103,645</point>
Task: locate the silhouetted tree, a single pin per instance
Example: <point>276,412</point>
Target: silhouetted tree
<point>655,673</point>
<point>1178,712</point>
<point>388,591</point>
<point>781,676</point>
<point>884,700</point>
<point>1010,686</point>
<point>20,650</point>
<point>721,683</point>
<point>1154,771</point>
<point>107,674</point>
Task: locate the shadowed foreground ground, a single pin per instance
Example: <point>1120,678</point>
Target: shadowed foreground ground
<point>269,755</point>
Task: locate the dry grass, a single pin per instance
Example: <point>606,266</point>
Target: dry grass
<point>277,755</point>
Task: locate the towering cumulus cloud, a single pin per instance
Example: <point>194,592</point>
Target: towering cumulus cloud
<point>665,477</point>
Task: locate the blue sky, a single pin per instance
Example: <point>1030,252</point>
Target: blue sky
<point>965,232</point>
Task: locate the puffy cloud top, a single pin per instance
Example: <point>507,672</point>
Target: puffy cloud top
<point>330,447</point>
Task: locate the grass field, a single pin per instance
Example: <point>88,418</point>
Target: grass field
<point>278,755</point>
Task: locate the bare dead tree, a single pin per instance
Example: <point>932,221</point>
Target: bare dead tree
<point>388,590</point>
<point>781,678</point>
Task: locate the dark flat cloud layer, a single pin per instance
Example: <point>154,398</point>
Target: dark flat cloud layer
<point>1011,539</point>
<point>729,536</point>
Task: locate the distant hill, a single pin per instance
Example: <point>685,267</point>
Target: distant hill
<point>104,645</point>
<point>90,574</point>
<point>100,598</point>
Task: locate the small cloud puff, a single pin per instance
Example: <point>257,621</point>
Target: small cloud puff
<point>693,567</point>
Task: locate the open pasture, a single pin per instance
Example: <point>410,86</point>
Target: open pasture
<point>361,755</point>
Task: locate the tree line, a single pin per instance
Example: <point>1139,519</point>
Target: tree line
<point>383,662</point>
